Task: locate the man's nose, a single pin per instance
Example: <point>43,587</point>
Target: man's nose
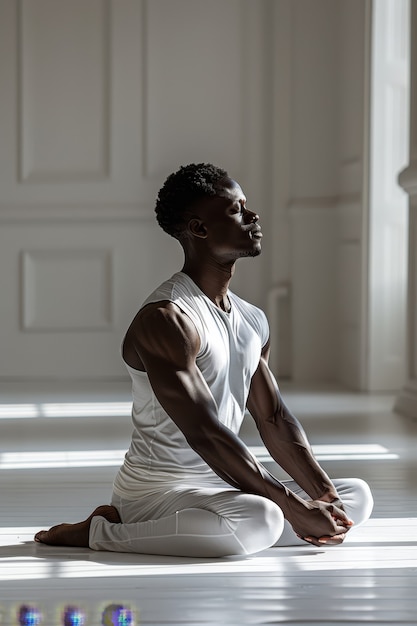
<point>251,216</point>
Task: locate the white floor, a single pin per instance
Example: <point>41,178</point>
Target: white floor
<point>60,451</point>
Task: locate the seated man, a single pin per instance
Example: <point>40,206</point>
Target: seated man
<point>197,355</point>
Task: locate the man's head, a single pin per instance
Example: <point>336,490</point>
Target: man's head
<point>202,207</point>
<point>181,191</point>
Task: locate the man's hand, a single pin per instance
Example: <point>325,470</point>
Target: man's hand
<point>320,523</point>
<point>327,539</point>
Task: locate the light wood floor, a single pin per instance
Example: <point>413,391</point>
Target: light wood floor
<point>60,451</point>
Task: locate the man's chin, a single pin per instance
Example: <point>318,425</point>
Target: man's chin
<point>250,253</point>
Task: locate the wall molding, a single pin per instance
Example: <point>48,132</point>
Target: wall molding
<point>407,179</point>
<point>24,213</point>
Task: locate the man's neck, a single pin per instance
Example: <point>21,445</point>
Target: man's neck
<point>212,278</point>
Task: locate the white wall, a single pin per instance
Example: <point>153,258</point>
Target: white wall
<point>102,99</point>
<point>321,60</point>
<point>313,187</point>
<point>353,134</point>
<point>346,258</point>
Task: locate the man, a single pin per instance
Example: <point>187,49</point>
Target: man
<point>198,357</point>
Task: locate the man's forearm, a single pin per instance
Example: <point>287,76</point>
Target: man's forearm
<point>287,443</point>
<point>284,436</point>
<point>230,459</point>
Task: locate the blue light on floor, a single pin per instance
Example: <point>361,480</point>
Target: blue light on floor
<point>29,616</point>
<point>117,615</point>
<point>73,617</point>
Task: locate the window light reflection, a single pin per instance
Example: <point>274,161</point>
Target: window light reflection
<point>61,459</point>
<point>376,531</point>
<point>339,452</point>
<point>23,569</point>
<point>16,411</point>
<point>65,409</point>
<point>86,409</point>
<point>113,458</point>
<point>295,558</point>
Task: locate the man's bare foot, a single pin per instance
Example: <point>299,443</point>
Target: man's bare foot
<point>76,535</point>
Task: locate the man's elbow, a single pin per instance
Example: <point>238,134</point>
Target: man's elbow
<point>202,439</point>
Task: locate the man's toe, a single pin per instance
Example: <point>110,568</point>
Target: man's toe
<point>40,536</point>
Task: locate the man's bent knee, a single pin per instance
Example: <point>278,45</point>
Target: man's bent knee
<point>264,526</point>
<point>363,500</point>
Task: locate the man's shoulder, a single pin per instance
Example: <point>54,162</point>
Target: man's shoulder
<point>163,291</point>
<point>163,326</point>
<point>161,312</point>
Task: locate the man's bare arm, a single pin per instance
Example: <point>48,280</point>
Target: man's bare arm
<point>284,436</point>
<point>167,344</point>
<point>285,439</point>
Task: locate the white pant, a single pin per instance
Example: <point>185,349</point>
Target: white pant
<point>211,521</point>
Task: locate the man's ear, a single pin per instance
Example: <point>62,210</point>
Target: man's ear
<point>197,228</point>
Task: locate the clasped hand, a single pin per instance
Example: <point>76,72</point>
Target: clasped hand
<point>323,523</point>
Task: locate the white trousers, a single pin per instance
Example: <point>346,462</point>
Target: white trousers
<point>211,521</point>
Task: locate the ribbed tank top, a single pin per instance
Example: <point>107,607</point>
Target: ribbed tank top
<point>230,349</point>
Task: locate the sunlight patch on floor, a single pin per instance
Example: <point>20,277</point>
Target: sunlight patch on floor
<point>379,553</point>
<point>18,568</point>
<point>65,409</point>
<point>62,458</point>
<point>280,561</point>
<point>339,452</point>
<point>113,458</point>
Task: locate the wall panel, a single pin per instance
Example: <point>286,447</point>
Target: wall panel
<point>353,52</point>
<point>194,85</point>
<point>349,302</point>
<point>64,90</point>
<point>350,285</point>
<point>313,290</point>
<point>67,290</point>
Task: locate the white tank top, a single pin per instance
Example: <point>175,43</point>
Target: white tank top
<point>230,350</point>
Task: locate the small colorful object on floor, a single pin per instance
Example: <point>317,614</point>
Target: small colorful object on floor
<point>29,616</point>
<point>117,615</point>
<point>73,616</point>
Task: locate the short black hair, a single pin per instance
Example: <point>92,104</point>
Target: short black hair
<point>181,190</point>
